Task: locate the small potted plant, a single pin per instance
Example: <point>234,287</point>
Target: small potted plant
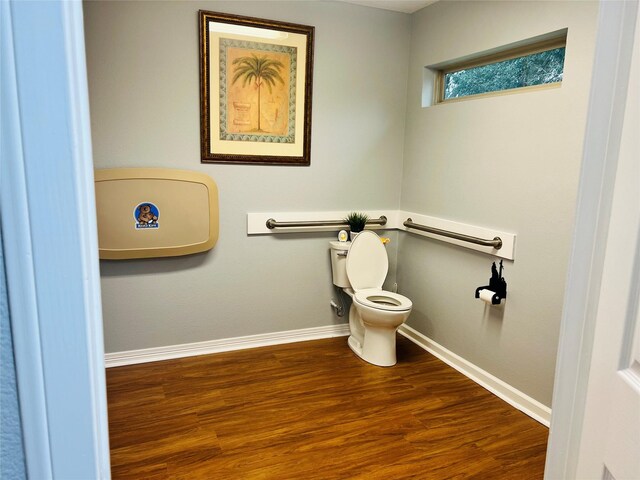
<point>357,221</point>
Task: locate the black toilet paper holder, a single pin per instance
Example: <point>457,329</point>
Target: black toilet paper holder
<point>497,284</point>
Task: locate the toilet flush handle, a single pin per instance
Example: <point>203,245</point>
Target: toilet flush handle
<point>343,253</point>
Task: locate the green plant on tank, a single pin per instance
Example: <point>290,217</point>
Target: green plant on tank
<point>357,221</point>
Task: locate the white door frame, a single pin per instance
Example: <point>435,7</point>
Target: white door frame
<point>614,46</point>
<point>47,209</point>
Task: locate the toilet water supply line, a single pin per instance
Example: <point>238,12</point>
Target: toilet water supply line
<point>338,308</point>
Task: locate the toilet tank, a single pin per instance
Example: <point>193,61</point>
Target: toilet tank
<point>339,263</point>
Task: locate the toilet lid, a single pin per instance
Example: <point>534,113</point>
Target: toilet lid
<point>367,261</point>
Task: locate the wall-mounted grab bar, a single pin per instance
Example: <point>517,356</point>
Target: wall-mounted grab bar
<point>271,223</point>
<point>495,243</point>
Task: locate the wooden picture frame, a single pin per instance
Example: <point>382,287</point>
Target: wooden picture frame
<point>255,90</point>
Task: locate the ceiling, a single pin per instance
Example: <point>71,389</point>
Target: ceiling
<point>405,6</point>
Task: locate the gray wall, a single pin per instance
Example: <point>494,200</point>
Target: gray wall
<point>11,450</point>
<point>143,84</point>
<point>510,162</point>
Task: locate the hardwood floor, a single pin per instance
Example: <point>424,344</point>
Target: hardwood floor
<point>313,410</point>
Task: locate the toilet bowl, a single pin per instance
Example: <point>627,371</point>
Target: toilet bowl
<point>375,314</point>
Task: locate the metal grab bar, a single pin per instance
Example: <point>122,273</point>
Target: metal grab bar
<point>495,243</point>
<point>271,223</point>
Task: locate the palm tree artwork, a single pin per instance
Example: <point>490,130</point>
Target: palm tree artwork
<point>258,70</point>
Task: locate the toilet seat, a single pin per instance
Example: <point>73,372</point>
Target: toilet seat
<point>382,300</point>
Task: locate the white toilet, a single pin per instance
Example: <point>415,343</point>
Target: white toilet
<point>359,268</point>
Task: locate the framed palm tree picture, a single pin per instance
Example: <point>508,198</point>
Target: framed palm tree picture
<point>255,90</point>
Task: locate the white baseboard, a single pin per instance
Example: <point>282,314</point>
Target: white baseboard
<point>156,354</point>
<point>506,392</point>
<point>509,394</point>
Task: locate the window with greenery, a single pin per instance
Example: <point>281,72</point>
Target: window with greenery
<point>540,64</point>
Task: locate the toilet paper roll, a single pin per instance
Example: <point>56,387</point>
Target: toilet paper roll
<point>486,295</point>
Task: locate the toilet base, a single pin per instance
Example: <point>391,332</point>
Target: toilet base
<point>379,349</point>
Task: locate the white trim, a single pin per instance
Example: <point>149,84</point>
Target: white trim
<point>506,392</point>
<point>49,225</point>
<point>507,250</point>
<point>501,389</point>
<point>170,352</point>
<point>609,83</point>
<point>256,225</point>
<point>20,268</point>
<point>85,208</point>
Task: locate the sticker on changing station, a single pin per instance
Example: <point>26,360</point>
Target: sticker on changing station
<point>146,215</point>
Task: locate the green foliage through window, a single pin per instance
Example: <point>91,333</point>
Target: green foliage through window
<point>535,69</point>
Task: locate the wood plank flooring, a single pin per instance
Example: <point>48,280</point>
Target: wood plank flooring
<point>313,410</point>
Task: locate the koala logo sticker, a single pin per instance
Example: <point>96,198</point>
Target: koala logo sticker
<point>146,215</point>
